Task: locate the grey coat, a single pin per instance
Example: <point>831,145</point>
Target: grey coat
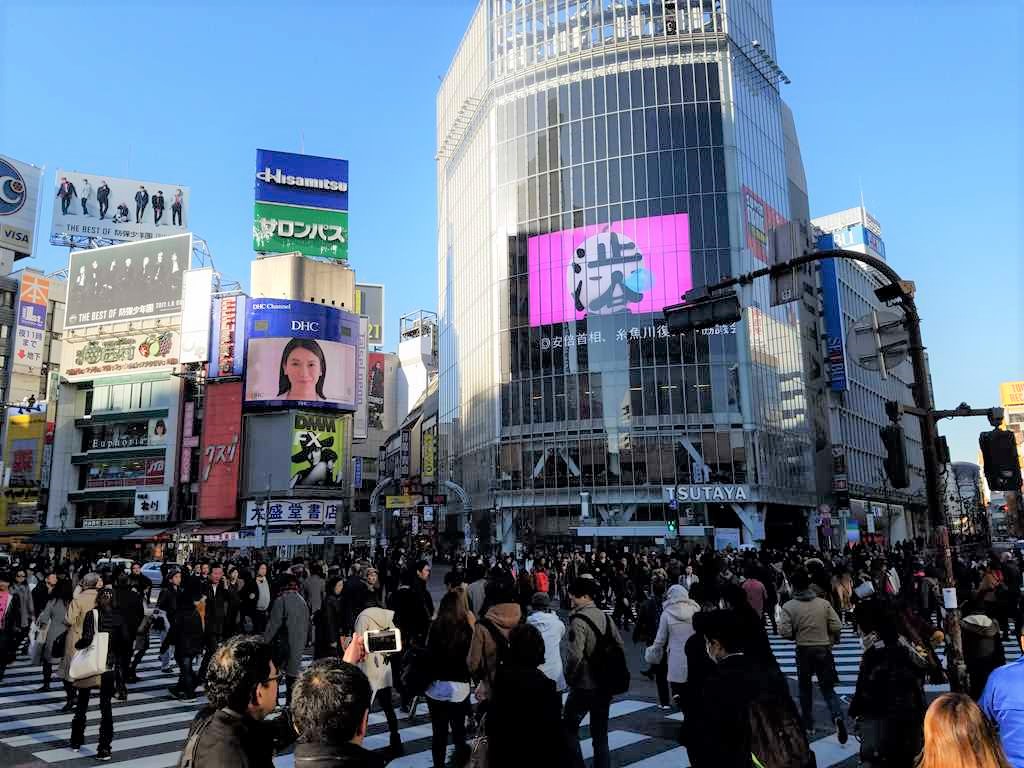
<point>53,616</point>
<point>290,610</point>
<point>25,600</point>
<point>313,591</point>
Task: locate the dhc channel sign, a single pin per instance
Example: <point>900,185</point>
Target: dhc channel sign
<point>304,180</point>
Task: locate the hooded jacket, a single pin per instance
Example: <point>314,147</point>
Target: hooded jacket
<point>483,651</point>
<point>983,650</point>
<point>552,630</point>
<point>674,629</point>
<point>810,621</point>
<point>376,666</point>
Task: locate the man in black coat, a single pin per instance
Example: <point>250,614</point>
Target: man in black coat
<point>221,615</point>
<point>103,198</point>
<point>10,622</point>
<point>141,201</point>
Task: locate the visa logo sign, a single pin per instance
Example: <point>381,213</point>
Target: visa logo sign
<point>12,235</point>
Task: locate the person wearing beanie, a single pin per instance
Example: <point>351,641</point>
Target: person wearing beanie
<point>552,630</point>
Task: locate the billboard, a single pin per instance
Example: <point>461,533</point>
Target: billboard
<point>299,353</point>
<point>197,294</point>
<point>30,326</point>
<point>375,390</point>
<point>19,202</point>
<point>219,455</point>
<point>636,265</point>
<point>835,333</point>
<point>1011,393</point>
<point>318,448</point>
<point>301,204</point>
<point>151,505</point>
<point>227,337</point>
<point>125,283</point>
<point>309,231</point>
<point>359,422</point>
<point>121,210</point>
<point>370,304</point>
<point>144,351</point>
<point>759,220</point>
<point>311,512</point>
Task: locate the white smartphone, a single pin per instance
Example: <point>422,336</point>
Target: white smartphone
<point>384,641</point>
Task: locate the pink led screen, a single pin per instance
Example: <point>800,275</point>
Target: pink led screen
<point>637,265</point>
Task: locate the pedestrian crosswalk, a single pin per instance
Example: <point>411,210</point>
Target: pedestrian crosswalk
<point>847,655</point>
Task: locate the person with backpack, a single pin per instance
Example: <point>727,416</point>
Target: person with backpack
<point>288,630</point>
<point>746,716</point>
<point>490,635</point>
<point>595,669</point>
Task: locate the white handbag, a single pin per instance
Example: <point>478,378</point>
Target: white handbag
<point>91,660</point>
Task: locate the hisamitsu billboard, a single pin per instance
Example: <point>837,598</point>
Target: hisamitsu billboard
<point>305,180</point>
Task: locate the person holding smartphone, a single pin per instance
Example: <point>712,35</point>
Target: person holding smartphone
<point>377,668</point>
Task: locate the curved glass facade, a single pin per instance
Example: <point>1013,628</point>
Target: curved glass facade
<point>596,161</point>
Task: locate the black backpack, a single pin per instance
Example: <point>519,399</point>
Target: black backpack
<point>608,660</point>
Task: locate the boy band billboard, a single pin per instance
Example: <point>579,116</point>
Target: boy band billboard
<point>299,353</point>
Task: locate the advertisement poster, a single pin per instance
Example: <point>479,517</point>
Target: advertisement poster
<point>635,266</point>
<point>375,390</point>
<point>121,210</point>
<point>123,283</point>
<point>370,304</point>
<point>19,202</point>
<point>760,220</point>
<point>227,337</point>
<point>428,463</point>
<point>220,459</point>
<point>30,325</point>
<point>195,315</point>
<point>301,353</point>
<point>835,333</point>
<point>304,180</point>
<point>309,231</point>
<point>142,352</point>
<point>359,422</point>
<point>318,445</point>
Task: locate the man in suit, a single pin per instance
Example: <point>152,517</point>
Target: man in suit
<point>221,615</point>
<point>65,192</point>
<point>158,207</point>
<point>141,201</point>
<point>103,198</point>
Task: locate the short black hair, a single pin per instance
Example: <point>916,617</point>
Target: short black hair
<point>330,701</point>
<point>801,580</point>
<point>525,646</point>
<point>724,626</point>
<point>583,587</point>
<point>236,668</point>
<point>420,565</point>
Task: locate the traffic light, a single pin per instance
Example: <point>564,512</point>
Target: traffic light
<point>1002,467</point>
<point>895,443</point>
<point>702,310</point>
<point>673,529</point>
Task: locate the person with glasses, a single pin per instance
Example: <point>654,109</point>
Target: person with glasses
<point>10,616</point>
<point>241,687</point>
<point>27,613</point>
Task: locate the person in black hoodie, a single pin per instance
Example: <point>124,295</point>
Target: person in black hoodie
<point>189,631</point>
<point>128,603</point>
<point>221,614</point>
<point>523,702</point>
<point>111,622</point>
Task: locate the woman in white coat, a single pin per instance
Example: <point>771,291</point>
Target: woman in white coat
<point>674,629</point>
<point>377,667</point>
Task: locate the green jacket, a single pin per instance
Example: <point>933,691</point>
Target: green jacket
<point>810,620</point>
<point>581,642</point>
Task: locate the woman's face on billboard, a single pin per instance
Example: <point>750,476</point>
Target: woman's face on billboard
<point>302,369</point>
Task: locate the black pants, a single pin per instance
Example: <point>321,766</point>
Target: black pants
<point>579,704</point>
<point>387,706</point>
<point>445,714</point>
<point>139,210</point>
<point>176,215</point>
<point>661,680</point>
<point>85,205</point>
<point>816,660</point>
<point>106,713</point>
<point>212,641</point>
<point>65,203</point>
<point>104,205</point>
<point>186,677</point>
<point>158,213</point>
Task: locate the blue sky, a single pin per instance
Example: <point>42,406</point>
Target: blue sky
<point>904,99</point>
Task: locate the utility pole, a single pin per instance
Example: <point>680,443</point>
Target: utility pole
<point>704,308</point>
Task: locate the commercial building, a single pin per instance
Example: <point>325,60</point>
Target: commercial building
<point>863,503</point>
<point>594,162</point>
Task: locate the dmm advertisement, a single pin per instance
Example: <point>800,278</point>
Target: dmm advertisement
<point>125,283</point>
<point>219,453</point>
<point>318,447</point>
<point>637,265</point>
<point>123,210</point>
<point>375,390</point>
<point>300,353</point>
<point>304,180</point>
<point>19,203</point>
<point>227,337</point>
<point>309,231</point>
<point>30,327</point>
<point>131,353</point>
<point>370,304</point>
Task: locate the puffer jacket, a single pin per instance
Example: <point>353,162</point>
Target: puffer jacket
<point>483,651</point>
<point>552,630</point>
<point>674,629</point>
<point>810,620</point>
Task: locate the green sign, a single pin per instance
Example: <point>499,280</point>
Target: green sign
<point>310,231</point>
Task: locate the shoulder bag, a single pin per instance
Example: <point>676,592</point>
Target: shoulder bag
<point>91,660</point>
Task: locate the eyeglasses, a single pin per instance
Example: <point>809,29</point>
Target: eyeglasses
<point>275,679</point>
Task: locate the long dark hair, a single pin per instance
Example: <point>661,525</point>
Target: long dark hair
<point>283,385</point>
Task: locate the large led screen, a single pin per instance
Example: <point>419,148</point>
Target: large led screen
<point>299,353</point>
<point>636,265</point>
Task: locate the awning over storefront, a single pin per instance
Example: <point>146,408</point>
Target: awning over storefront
<point>150,534</point>
<point>216,534</point>
<point>79,537</point>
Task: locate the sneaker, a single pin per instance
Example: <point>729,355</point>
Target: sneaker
<point>75,747</point>
<point>841,734</point>
<point>174,692</point>
<point>166,670</point>
<point>188,699</point>
<point>664,706</point>
<point>43,688</point>
<point>103,755</point>
<point>69,707</point>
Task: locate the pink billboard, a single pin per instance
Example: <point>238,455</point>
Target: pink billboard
<point>637,265</point>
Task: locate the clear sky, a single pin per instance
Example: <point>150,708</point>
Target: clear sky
<point>918,104</point>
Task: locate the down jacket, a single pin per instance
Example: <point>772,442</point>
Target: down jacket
<point>674,629</point>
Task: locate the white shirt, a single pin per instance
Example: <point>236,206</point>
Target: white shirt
<point>448,690</point>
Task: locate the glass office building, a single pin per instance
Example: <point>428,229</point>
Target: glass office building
<point>595,161</point>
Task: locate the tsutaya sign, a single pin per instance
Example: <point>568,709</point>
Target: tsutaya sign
<point>706,493</point>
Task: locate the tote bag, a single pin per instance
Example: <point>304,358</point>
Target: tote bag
<point>91,660</point>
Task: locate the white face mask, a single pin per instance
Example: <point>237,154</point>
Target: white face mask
<point>707,649</point>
